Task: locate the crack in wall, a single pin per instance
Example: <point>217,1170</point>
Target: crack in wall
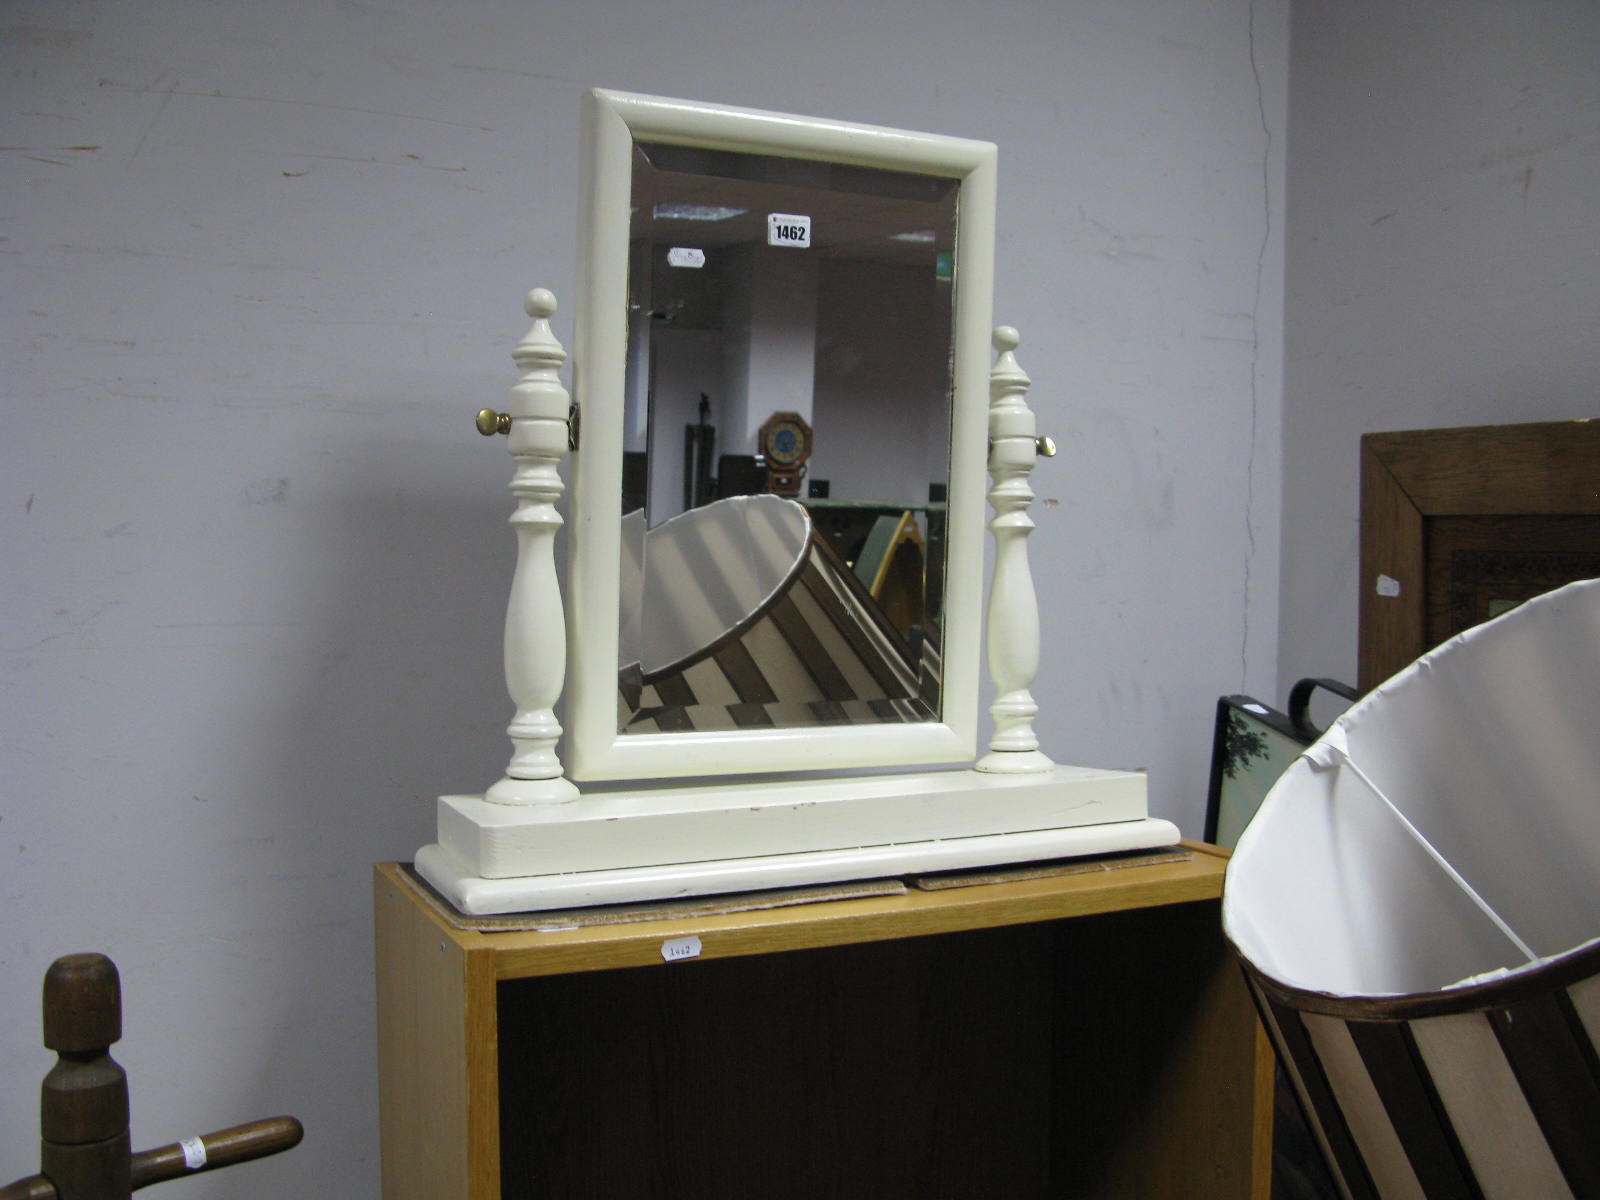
<point>1255,348</point>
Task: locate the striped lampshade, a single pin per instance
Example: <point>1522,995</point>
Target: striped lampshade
<point>738,614</point>
<point>1417,906</point>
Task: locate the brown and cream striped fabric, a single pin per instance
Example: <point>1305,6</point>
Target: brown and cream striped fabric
<point>1490,1090</point>
<point>817,651</point>
<point>1417,906</point>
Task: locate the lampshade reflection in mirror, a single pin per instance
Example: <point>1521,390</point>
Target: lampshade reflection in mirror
<point>789,331</point>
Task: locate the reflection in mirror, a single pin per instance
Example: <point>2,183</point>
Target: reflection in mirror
<point>786,442</point>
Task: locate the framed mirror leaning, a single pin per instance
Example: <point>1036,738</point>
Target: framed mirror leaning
<point>828,284</point>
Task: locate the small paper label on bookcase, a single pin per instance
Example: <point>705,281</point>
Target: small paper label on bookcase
<point>677,949</point>
<point>1388,586</point>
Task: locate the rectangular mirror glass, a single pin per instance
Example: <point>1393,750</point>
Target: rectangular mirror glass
<point>781,361</point>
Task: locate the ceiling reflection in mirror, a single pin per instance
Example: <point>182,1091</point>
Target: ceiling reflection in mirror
<point>786,444</point>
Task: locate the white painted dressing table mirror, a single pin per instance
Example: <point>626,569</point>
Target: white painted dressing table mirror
<point>768,282</point>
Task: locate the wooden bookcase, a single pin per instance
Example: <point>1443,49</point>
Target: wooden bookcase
<point>1083,1035</point>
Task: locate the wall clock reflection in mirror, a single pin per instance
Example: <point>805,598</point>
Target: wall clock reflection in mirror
<point>773,600</point>
<point>785,445</point>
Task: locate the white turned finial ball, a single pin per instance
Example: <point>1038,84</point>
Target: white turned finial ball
<point>1006,338</point>
<point>541,302</point>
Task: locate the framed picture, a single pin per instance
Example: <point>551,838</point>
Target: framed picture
<point>1458,525</point>
<point>1252,745</point>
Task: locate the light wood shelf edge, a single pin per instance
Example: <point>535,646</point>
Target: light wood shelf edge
<point>518,955</point>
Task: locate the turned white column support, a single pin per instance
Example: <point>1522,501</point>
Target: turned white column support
<point>1013,618</point>
<point>536,425</point>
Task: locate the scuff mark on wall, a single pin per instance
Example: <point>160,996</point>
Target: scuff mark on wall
<point>405,160</point>
<point>41,153</point>
<point>266,491</point>
<point>43,38</point>
<point>73,626</point>
<point>1120,249</point>
<point>1495,158</point>
<point>215,94</point>
<point>161,108</point>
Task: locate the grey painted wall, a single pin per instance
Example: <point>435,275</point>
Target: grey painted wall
<point>1443,261</point>
<point>262,263</point>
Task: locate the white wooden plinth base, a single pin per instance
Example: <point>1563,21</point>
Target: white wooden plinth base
<point>624,847</point>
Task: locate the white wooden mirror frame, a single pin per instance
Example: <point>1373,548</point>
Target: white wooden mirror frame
<point>533,842</point>
<point>613,123</point>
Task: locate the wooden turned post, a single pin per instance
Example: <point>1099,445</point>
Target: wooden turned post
<point>1013,619</point>
<point>83,1111</point>
<point>538,430</point>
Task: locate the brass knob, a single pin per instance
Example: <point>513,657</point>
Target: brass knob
<point>1044,447</point>
<point>490,422</point>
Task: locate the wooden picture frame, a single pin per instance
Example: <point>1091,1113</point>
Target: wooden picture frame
<point>1457,524</point>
